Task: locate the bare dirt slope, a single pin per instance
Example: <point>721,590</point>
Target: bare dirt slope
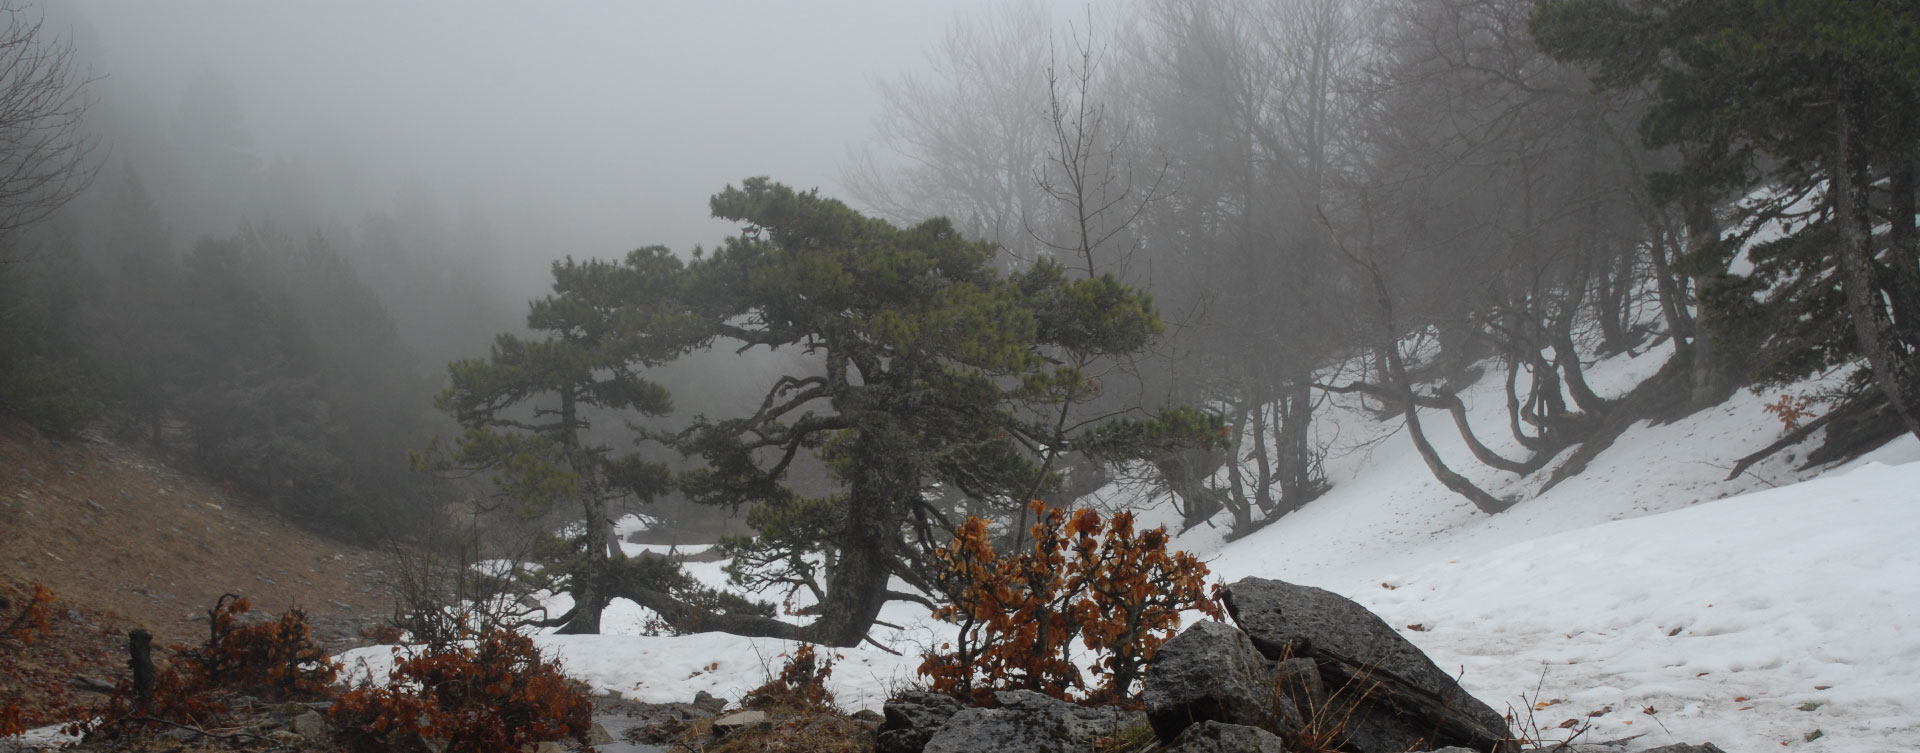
<point>115,531</point>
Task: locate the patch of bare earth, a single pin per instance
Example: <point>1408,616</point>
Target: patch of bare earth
<point>125,541</point>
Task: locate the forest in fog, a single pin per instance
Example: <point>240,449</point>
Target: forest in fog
<point>1045,248</point>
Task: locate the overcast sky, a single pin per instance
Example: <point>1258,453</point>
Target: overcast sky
<point>614,119</point>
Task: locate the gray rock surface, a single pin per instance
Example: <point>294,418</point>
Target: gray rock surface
<point>709,702</point>
<point>1299,681</point>
<point>910,719</point>
<point>1390,695</point>
<point>737,721</point>
<point>1027,722</point>
<point>1219,737</point>
<point>1211,672</point>
<point>311,725</point>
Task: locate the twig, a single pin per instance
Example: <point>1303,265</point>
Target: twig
<point>205,733</point>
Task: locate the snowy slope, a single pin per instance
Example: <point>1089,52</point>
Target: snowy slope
<point>1648,582</point>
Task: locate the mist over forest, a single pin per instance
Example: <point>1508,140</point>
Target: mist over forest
<point>838,278</point>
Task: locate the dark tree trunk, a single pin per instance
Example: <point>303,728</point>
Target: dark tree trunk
<point>140,660</point>
<point>1299,483</point>
<point>1709,380</point>
<point>1237,501</point>
<point>1892,372</point>
<point>1454,482</point>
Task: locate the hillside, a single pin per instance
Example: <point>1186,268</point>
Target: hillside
<point>113,530</point>
<point>1650,596</point>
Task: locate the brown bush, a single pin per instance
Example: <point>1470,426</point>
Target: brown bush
<point>492,694</point>
<point>276,659</point>
<point>1117,591</point>
<point>802,683</point>
<point>23,624</point>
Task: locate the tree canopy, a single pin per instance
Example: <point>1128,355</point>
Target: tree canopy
<point>1820,102</point>
<point>931,384</point>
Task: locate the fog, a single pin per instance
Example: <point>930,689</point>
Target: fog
<point>580,128</point>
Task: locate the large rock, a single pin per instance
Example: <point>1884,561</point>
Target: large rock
<point>1028,722</point>
<point>1217,737</point>
<point>1211,672</point>
<point>910,720</point>
<point>1388,696</point>
<point>1299,680</point>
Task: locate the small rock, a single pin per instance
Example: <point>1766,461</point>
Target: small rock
<point>544,746</point>
<point>737,721</point>
<point>311,725</point>
<point>709,702</point>
<point>599,735</point>
<point>869,716</point>
<point>1219,737</point>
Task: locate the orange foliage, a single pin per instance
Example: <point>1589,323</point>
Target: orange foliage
<point>33,620</point>
<point>1117,591</point>
<point>495,693</point>
<point>803,680</point>
<point>1790,410</point>
<point>276,659</point>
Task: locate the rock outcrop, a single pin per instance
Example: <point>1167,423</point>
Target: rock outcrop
<point>1388,695</point>
<point>1211,672</point>
<point>1304,668</point>
<point>1027,722</point>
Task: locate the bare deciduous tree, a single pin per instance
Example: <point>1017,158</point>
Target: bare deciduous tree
<point>45,149</point>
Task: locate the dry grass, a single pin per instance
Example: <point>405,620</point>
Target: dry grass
<point>115,531</point>
<point>125,542</point>
<point>791,727</point>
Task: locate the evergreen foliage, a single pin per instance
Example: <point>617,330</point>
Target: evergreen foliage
<point>1820,102</point>
<point>528,408</point>
<point>927,374</point>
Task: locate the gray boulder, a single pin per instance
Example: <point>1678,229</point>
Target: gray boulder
<point>910,719</point>
<point>1218,737</point>
<point>1028,722</point>
<point>1211,672</point>
<point>1388,695</point>
<point>1299,680</point>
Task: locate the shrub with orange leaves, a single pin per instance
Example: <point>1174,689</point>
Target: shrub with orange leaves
<point>1098,581</point>
<point>277,659</point>
<point>495,693</point>
<point>274,659</point>
<point>802,682</point>
<point>32,620</point>
<point>1790,410</point>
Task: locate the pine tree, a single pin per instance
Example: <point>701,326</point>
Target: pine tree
<point>1819,101</point>
<point>529,408</point>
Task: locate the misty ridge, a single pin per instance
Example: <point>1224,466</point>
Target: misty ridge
<point>826,282</point>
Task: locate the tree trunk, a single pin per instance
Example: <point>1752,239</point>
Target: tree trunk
<point>1298,484</point>
<point>1848,179</point>
<point>1236,485</point>
<point>1454,482</point>
<point>1709,380</point>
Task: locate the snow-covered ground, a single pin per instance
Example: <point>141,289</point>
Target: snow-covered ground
<point>1647,595</point>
